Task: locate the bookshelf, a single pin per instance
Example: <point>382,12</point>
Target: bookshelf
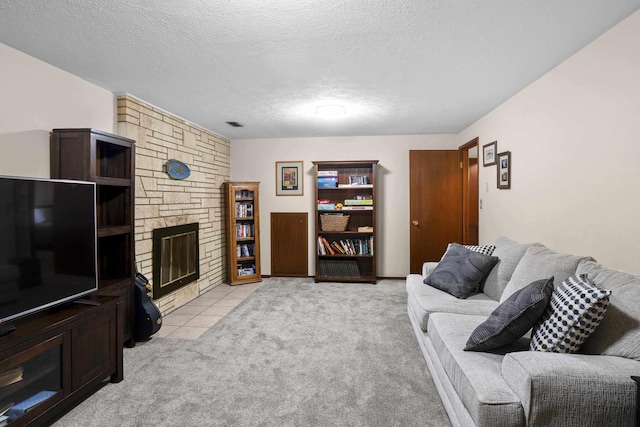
<point>345,221</point>
<point>109,161</point>
<point>243,232</point>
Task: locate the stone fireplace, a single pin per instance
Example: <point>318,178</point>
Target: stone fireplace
<point>161,201</point>
<point>175,258</point>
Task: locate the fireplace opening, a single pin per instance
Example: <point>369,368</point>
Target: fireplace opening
<point>175,258</point>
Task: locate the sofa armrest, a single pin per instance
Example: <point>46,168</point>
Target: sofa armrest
<point>573,389</point>
<point>427,268</point>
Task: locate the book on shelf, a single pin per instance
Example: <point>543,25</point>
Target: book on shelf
<point>357,208</point>
<point>20,408</point>
<point>327,246</point>
<point>337,248</point>
<point>358,179</point>
<point>327,182</point>
<point>11,376</point>
<point>355,185</point>
<point>328,173</point>
<point>326,206</point>
<point>358,202</point>
<point>321,248</point>
<point>244,194</point>
<point>338,268</point>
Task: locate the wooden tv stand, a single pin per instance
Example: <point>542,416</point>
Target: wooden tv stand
<point>66,352</point>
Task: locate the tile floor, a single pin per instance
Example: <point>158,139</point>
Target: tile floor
<point>194,318</point>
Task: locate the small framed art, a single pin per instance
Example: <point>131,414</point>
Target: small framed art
<point>504,170</point>
<point>289,178</point>
<point>489,153</point>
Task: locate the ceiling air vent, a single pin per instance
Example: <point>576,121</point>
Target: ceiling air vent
<point>234,124</point>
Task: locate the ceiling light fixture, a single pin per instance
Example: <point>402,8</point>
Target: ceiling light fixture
<point>330,111</point>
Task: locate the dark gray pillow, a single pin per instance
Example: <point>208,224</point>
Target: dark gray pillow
<point>460,271</point>
<point>513,318</point>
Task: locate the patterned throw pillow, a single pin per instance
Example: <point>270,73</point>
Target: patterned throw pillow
<point>577,306</point>
<point>481,249</point>
<point>460,271</point>
<point>513,318</point>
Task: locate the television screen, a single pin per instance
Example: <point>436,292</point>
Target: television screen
<point>47,243</point>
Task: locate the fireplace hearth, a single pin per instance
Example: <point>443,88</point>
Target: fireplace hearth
<point>175,258</point>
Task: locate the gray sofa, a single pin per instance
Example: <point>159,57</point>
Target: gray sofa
<point>512,386</point>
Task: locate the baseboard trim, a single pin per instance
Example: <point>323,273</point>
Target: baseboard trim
<point>266,276</point>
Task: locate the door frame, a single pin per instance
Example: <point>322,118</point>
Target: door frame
<point>467,190</point>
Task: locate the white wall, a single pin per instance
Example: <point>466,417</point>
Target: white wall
<point>254,160</point>
<point>37,97</point>
<point>574,137</point>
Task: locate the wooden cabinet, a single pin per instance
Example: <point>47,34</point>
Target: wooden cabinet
<point>243,232</point>
<point>345,218</point>
<point>109,161</point>
<point>59,356</point>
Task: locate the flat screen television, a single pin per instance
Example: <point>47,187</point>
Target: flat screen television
<point>48,244</point>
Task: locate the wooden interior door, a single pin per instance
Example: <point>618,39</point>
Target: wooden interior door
<point>435,192</point>
<point>289,244</point>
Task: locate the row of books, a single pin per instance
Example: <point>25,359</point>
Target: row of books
<point>245,250</point>
<point>246,270</point>
<point>338,268</point>
<point>244,194</point>
<point>349,204</point>
<point>329,179</point>
<point>244,230</point>
<point>345,246</point>
<point>244,209</point>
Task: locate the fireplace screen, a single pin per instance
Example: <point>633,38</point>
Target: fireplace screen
<point>175,258</point>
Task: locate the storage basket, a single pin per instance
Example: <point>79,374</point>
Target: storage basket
<point>334,222</point>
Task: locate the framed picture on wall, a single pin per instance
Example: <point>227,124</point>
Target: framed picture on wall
<point>504,170</point>
<point>289,178</point>
<point>489,153</point>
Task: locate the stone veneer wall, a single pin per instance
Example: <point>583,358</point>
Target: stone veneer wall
<point>162,202</point>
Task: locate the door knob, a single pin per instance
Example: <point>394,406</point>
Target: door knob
<point>414,222</point>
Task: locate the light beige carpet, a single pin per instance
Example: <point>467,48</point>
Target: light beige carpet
<point>294,353</point>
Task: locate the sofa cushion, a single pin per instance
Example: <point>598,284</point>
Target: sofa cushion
<point>577,306</point>
<point>460,271</point>
<point>573,389</point>
<point>619,332</point>
<point>513,318</point>
<point>509,254</point>
<point>476,377</point>
<point>423,300</point>
<point>540,262</point>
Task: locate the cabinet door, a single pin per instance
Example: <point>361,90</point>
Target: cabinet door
<point>289,244</point>
<point>35,374</point>
<point>93,341</point>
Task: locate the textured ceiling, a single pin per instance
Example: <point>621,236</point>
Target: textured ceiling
<point>398,66</point>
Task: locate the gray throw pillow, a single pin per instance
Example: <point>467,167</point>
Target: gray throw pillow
<point>460,271</point>
<point>513,318</point>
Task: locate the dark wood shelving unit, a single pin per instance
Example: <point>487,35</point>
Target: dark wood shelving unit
<point>109,161</point>
<point>359,265</point>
